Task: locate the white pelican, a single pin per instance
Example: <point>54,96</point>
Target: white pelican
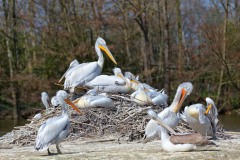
<point>140,96</point>
<point>116,83</point>
<point>54,101</point>
<point>177,143</point>
<point>92,99</point>
<point>55,129</point>
<point>45,101</point>
<point>202,120</point>
<point>86,72</point>
<point>73,65</point>
<point>158,98</point>
<point>169,115</point>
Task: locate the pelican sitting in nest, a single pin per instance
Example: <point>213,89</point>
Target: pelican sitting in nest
<point>202,120</point>
<point>92,99</point>
<point>178,143</point>
<point>116,83</point>
<point>140,96</point>
<point>85,72</point>
<point>169,115</point>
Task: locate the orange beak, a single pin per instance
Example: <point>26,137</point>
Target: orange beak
<point>208,109</point>
<point>72,105</point>
<point>183,96</point>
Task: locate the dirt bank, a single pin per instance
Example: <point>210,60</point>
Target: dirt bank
<point>86,148</point>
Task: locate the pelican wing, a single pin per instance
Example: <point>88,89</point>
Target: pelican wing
<point>82,75</point>
<point>101,101</point>
<point>105,80</point>
<point>49,131</point>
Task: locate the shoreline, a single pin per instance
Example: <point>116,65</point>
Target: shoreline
<point>108,148</point>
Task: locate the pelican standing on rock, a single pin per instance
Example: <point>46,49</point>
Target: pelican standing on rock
<point>55,129</point>
<point>178,143</point>
<point>169,115</point>
<point>86,72</point>
<point>202,120</point>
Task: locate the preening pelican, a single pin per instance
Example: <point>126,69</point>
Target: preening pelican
<point>116,83</point>
<point>55,129</point>
<point>202,120</point>
<point>86,72</point>
<point>177,143</point>
<point>45,101</point>
<point>169,115</point>
<point>92,99</point>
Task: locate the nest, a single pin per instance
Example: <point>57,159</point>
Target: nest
<point>127,120</point>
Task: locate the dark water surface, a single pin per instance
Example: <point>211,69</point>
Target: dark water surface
<point>8,125</point>
<point>229,122</point>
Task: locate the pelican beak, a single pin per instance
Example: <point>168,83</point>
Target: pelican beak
<point>183,97</point>
<point>208,109</point>
<point>106,50</point>
<point>72,105</point>
<point>125,80</point>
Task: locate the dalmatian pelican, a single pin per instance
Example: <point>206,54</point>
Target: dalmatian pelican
<point>169,115</point>
<point>178,142</point>
<point>116,83</point>
<point>83,73</point>
<point>55,129</point>
<point>93,99</point>
<point>203,120</point>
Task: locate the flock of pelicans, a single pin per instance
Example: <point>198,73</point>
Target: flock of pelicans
<point>202,119</point>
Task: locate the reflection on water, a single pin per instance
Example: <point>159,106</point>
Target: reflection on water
<point>229,122</point>
<point>8,125</point>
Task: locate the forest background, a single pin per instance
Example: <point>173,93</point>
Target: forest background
<point>164,42</point>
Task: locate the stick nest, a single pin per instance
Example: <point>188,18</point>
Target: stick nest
<point>127,120</point>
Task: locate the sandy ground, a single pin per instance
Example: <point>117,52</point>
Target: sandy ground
<point>94,149</point>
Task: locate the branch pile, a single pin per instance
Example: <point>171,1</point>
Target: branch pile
<point>126,120</point>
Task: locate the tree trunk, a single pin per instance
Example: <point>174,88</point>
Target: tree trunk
<point>223,52</point>
<point>166,48</point>
<point>180,54</point>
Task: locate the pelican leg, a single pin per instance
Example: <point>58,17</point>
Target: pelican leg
<point>58,149</point>
<point>49,153</point>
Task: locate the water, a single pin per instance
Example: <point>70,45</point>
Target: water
<point>8,125</point>
<point>229,122</point>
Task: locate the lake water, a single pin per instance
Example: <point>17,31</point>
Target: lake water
<point>230,123</point>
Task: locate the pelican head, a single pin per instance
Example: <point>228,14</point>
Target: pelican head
<point>183,91</point>
<point>101,45</point>
<point>118,73</point>
<point>44,95</point>
<point>210,104</point>
<point>62,97</point>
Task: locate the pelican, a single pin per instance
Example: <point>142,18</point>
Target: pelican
<point>55,129</point>
<point>140,96</point>
<point>202,120</point>
<point>169,115</point>
<point>86,72</point>
<point>73,65</point>
<point>54,101</point>
<point>158,98</point>
<point>92,99</point>
<point>116,83</point>
<point>45,100</point>
<point>178,143</point>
